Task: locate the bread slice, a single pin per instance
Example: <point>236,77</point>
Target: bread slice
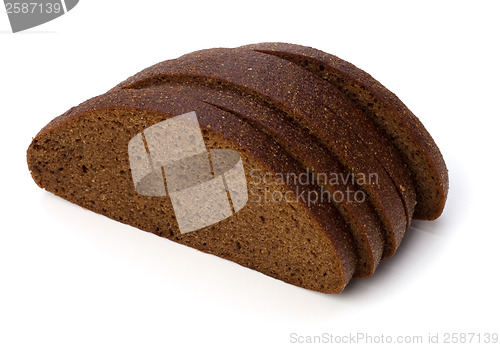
<point>391,115</point>
<point>293,91</point>
<point>83,156</point>
<point>359,215</point>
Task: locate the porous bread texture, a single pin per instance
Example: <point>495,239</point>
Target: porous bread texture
<point>82,157</point>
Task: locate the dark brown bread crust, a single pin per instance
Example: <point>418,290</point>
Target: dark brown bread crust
<point>286,87</point>
<point>70,160</point>
<point>391,115</point>
<point>359,216</point>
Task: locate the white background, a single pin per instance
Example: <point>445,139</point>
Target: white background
<point>69,277</point>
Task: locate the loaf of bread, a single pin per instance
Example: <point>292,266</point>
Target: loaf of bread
<point>281,158</point>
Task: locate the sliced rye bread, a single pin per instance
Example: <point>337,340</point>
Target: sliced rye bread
<point>285,110</point>
<point>359,123</point>
<point>82,157</point>
<point>292,90</point>
<point>305,148</point>
<point>391,115</point>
